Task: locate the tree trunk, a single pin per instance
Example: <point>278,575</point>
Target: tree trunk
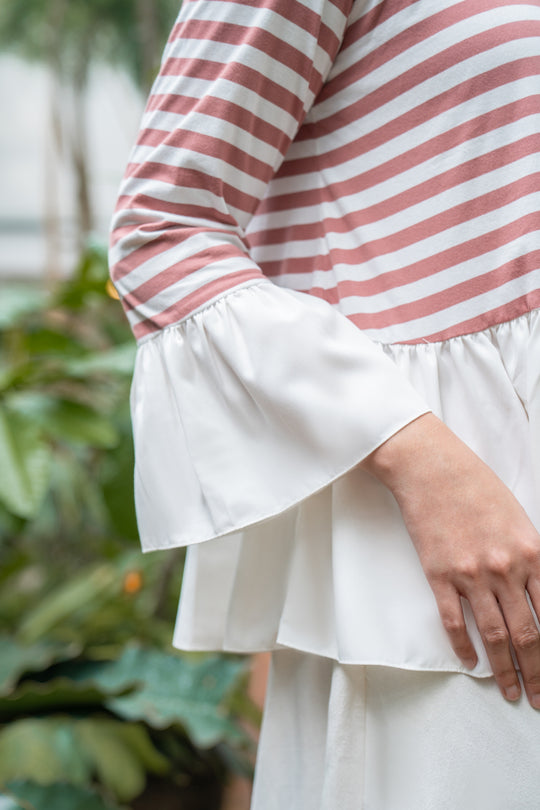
<point>54,147</point>
<point>149,40</point>
<point>79,148</point>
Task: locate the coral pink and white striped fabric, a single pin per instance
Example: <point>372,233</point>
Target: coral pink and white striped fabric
<point>384,156</point>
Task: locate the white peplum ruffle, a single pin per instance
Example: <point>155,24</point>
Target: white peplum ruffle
<point>250,419</point>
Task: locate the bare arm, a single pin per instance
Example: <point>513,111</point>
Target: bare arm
<point>474,540</point>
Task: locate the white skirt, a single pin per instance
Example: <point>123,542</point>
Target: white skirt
<point>345,737</point>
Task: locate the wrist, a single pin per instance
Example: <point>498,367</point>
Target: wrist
<point>402,456</point>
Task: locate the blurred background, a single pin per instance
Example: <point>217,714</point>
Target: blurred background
<point>97,711</point>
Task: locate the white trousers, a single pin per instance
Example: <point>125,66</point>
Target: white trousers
<point>338,737</point>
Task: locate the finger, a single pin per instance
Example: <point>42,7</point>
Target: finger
<point>533,589</point>
<point>525,640</point>
<point>451,613</point>
<point>526,643</point>
<point>496,639</point>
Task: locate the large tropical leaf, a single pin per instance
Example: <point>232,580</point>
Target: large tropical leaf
<point>121,754</point>
<point>58,796</point>
<point>58,694</point>
<point>25,461</point>
<point>44,750</point>
<point>53,749</point>
<point>172,689</point>
<point>17,659</point>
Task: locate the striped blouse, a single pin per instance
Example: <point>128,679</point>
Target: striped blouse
<point>305,168</point>
<point>381,155</point>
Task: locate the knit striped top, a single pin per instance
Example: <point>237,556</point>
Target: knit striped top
<point>383,155</point>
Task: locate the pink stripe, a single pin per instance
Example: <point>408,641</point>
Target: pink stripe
<point>126,201</point>
<point>296,13</point>
<point>471,88</point>
<point>437,302</point>
<point>222,109</point>
<point>191,178</point>
<point>208,145</point>
<point>465,212</point>
<point>494,317</point>
<point>400,202</point>
<point>172,237</point>
<point>184,308</point>
<point>415,156</point>
<point>422,268</point>
<point>264,41</point>
<point>241,75</point>
<point>181,270</point>
<point>153,205</point>
<point>452,217</point>
<point>371,19</point>
<point>413,36</point>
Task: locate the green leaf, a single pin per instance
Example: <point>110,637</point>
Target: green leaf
<point>56,694</point>
<point>71,421</point>
<point>120,754</point>
<point>17,659</point>
<point>136,737</point>
<point>24,462</point>
<point>43,750</point>
<point>115,764</point>
<point>174,689</point>
<point>58,796</point>
<point>53,749</point>
<point>78,594</point>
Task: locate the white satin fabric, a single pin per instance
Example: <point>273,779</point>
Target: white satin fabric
<point>249,406</point>
<point>252,426</point>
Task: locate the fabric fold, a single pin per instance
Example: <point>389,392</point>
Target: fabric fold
<point>236,418</point>
<point>337,575</point>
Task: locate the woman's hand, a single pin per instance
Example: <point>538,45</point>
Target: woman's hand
<point>474,540</point>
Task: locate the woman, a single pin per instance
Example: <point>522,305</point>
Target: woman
<point>327,243</point>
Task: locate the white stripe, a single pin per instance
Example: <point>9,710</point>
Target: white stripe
<point>417,250</point>
<point>230,91</point>
<point>431,89</point>
<point>176,194</point>
<point>409,59</point>
<point>450,316</point>
<point>190,284</point>
<point>158,262</point>
<point>251,15</point>
<point>175,156</point>
<point>409,179</point>
<point>415,290</point>
<point>245,55</point>
<point>215,128</point>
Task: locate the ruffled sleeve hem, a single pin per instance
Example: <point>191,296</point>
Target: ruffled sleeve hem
<point>251,405</point>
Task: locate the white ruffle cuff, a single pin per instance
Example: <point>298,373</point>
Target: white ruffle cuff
<point>249,407</point>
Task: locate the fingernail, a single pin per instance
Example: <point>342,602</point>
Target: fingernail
<point>513,692</point>
<point>535,701</point>
<point>470,663</point>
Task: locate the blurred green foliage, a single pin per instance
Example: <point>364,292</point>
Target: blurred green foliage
<point>70,34</point>
<point>96,708</point>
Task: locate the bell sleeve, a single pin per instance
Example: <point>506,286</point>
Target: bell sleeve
<point>247,398</point>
